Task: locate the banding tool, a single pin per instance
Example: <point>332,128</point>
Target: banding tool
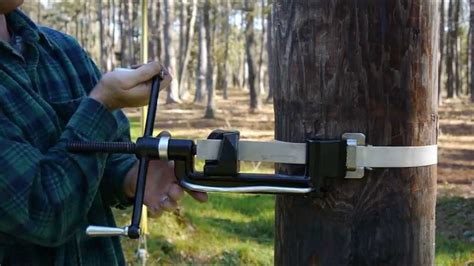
<point>347,157</point>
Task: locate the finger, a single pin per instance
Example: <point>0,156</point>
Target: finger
<point>154,212</point>
<point>199,196</point>
<point>135,66</point>
<point>164,133</point>
<point>175,192</point>
<point>167,204</point>
<point>142,74</point>
<point>138,95</point>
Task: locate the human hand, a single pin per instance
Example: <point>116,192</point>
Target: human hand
<point>131,88</point>
<point>162,191</point>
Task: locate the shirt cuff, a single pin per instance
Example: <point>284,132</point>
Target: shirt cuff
<point>119,174</point>
<point>92,121</point>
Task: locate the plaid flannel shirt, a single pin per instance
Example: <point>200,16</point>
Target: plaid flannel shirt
<point>48,195</point>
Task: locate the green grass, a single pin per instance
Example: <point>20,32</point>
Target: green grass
<point>229,229</point>
<point>238,229</point>
<point>455,225</point>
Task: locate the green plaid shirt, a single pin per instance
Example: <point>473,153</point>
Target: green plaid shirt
<point>47,195</point>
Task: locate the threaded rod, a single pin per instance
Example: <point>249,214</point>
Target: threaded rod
<point>101,147</point>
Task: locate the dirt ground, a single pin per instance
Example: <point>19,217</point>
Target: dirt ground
<point>455,140</point>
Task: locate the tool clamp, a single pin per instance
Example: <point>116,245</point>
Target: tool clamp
<point>347,157</point>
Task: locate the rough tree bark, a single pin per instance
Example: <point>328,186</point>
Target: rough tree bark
<point>169,49</point>
<point>270,55</point>
<point>441,50</point>
<point>201,58</point>
<point>191,21</point>
<point>358,66</point>
<point>102,48</point>
<point>451,38</point>
<point>222,80</point>
<point>209,73</point>
<point>471,23</point>
<point>182,29</point>
<point>456,47</point>
<point>249,48</point>
<point>260,67</point>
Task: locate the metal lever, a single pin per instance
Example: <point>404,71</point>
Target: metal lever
<point>105,231</point>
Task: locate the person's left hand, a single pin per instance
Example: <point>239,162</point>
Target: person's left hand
<point>162,191</point>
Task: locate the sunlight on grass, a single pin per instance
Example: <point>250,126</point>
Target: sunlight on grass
<point>229,229</point>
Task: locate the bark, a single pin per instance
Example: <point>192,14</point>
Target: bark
<point>201,60</point>
<point>38,14</point>
<point>102,50</point>
<point>209,73</point>
<point>242,70</point>
<point>223,84</point>
<point>260,71</point>
<point>471,23</point>
<point>450,80</point>
<point>271,78</point>
<point>357,66</point>
<point>249,48</point>
<point>132,51</point>
<point>182,30</point>
<point>441,50</point>
<point>467,60</point>
<point>152,29</point>
<point>169,52</point>
<point>456,48</point>
<point>187,49</point>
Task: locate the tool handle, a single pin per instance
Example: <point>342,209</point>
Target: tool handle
<point>134,229</point>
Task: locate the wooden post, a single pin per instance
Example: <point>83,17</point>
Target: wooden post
<point>358,66</point>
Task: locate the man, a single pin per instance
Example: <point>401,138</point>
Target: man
<point>51,94</point>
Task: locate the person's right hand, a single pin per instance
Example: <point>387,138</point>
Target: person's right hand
<point>119,89</point>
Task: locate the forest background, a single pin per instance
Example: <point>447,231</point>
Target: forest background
<point>219,53</point>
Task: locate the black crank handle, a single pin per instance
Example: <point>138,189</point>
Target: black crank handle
<point>134,228</point>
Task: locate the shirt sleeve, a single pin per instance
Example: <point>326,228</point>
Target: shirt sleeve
<point>46,195</point>
<point>116,168</point>
<point>117,165</point>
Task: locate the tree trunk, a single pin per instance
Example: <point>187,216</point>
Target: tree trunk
<point>451,38</point>
<point>271,78</point>
<point>209,73</point>
<point>471,23</point>
<point>249,48</point>
<point>467,60</point>
<point>260,69</point>
<point>456,44</point>
<point>187,49</point>
<point>201,59</point>
<point>102,47</point>
<point>441,50</point>
<point>368,67</point>
<point>223,81</point>
<point>168,45</point>
<point>182,30</point>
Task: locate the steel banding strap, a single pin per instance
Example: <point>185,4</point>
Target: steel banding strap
<point>257,151</point>
<point>295,153</point>
<point>391,156</point>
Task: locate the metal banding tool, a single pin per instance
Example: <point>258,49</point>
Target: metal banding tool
<point>222,151</point>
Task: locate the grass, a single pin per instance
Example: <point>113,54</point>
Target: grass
<point>238,229</point>
<point>230,229</point>
<point>455,225</point>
